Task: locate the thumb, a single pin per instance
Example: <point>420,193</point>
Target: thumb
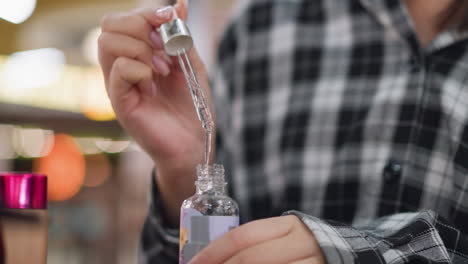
<point>182,9</point>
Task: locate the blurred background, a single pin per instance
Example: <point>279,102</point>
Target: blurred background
<point>55,118</point>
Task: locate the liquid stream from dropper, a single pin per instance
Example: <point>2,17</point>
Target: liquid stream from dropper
<point>201,107</point>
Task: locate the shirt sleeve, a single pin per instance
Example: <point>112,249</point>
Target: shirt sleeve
<point>420,237</point>
<point>159,243</point>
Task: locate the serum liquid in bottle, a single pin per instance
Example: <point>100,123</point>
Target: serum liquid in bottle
<point>208,214</point>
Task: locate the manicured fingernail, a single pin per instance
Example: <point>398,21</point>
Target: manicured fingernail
<point>157,40</point>
<point>183,2</point>
<point>168,59</point>
<point>161,66</point>
<point>165,12</point>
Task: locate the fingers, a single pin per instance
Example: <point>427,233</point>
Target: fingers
<point>182,9</point>
<point>112,45</point>
<point>126,74</point>
<point>282,250</point>
<point>156,39</point>
<point>157,17</point>
<point>162,63</point>
<point>131,35</point>
<point>243,237</point>
<point>129,24</point>
<point>311,260</point>
<point>140,23</point>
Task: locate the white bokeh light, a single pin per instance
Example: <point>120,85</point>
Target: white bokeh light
<point>90,46</point>
<point>112,146</point>
<point>33,142</point>
<point>87,145</point>
<point>31,69</point>
<point>16,11</point>
<point>7,150</point>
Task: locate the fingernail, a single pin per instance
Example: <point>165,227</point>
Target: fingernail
<point>164,13</point>
<point>168,59</point>
<point>161,65</point>
<point>183,2</point>
<point>157,40</point>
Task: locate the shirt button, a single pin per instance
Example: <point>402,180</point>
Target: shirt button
<point>392,171</point>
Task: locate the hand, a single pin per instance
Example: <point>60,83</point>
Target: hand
<point>278,240</point>
<point>150,97</point>
<point>147,88</point>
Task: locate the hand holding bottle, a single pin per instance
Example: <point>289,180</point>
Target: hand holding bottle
<point>275,240</point>
<point>149,95</point>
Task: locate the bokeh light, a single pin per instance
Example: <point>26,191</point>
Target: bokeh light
<point>7,151</point>
<point>33,142</point>
<point>98,169</point>
<point>88,145</point>
<point>16,11</point>
<point>26,70</point>
<point>65,168</point>
<point>90,46</point>
<point>112,146</point>
<point>94,102</point>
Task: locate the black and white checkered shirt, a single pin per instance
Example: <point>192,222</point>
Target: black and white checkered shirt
<point>333,109</point>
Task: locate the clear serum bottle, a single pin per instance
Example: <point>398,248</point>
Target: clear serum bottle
<point>208,214</point>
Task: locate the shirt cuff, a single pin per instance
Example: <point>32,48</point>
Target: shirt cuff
<point>157,215</point>
<point>340,244</point>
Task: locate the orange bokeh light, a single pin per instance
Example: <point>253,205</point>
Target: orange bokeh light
<point>64,167</point>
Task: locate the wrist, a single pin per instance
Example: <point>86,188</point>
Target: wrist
<point>174,187</point>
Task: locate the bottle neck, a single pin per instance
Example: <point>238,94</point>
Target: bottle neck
<point>210,180</point>
<point>209,188</point>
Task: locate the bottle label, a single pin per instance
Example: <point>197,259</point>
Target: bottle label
<point>197,231</point>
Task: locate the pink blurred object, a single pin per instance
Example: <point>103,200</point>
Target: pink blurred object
<point>23,191</point>
<point>23,218</point>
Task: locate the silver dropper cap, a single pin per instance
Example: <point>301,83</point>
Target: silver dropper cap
<point>176,37</point>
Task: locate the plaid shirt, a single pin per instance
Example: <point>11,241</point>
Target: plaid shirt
<point>333,109</point>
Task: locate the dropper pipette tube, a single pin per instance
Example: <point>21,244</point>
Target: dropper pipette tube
<point>203,112</point>
<point>178,42</point>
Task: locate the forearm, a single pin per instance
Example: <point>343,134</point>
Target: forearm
<point>177,183</point>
